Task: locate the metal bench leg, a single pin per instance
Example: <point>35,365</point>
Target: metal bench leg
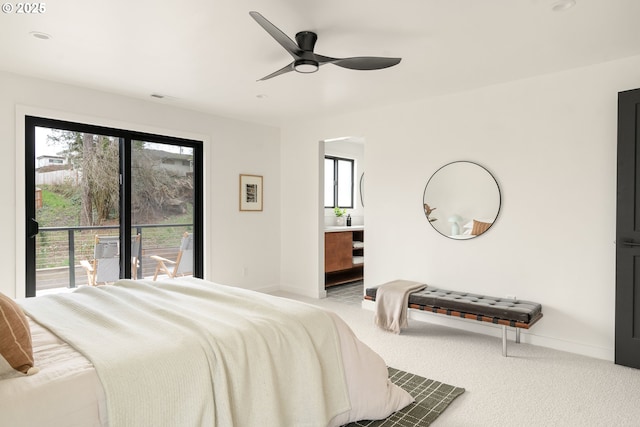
<point>517,335</point>
<point>504,340</point>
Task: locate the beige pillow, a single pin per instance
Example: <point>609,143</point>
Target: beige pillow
<point>479,227</point>
<point>15,338</point>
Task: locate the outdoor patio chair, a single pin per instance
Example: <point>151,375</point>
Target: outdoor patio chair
<point>183,265</point>
<point>105,266</point>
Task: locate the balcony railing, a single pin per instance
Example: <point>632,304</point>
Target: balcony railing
<point>59,251</point>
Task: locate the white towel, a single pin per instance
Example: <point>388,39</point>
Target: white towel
<point>392,300</point>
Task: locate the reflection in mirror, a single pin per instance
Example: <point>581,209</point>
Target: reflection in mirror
<point>362,189</point>
<point>461,200</point>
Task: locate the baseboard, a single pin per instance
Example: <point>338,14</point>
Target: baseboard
<point>296,291</point>
<point>526,336</point>
<point>267,289</point>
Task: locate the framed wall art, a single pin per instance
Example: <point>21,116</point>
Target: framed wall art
<point>250,192</point>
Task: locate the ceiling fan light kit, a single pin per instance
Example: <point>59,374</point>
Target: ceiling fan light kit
<point>305,66</point>
<point>306,61</point>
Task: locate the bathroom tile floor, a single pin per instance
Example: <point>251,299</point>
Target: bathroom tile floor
<point>349,293</point>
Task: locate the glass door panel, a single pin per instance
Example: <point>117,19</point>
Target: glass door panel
<point>77,208</point>
<point>162,208</point>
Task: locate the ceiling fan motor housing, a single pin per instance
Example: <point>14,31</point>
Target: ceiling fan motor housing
<point>306,63</point>
<point>306,40</point>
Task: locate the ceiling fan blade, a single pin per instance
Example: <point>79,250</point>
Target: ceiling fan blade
<point>365,62</point>
<point>324,59</point>
<point>282,70</point>
<point>284,40</point>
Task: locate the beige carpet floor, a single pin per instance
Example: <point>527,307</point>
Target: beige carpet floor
<point>534,386</point>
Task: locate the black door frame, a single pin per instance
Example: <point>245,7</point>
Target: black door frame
<point>126,137</point>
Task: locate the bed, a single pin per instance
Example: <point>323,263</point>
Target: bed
<point>190,352</point>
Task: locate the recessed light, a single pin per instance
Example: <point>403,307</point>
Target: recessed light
<point>40,35</point>
<point>562,5</point>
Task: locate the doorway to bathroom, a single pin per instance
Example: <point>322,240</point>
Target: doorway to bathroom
<point>343,210</point>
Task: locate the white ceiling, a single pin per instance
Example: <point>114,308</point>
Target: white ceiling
<point>206,55</point>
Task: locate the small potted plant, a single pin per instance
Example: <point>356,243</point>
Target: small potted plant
<point>339,212</point>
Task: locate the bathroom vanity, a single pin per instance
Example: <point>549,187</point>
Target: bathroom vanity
<point>343,254</point>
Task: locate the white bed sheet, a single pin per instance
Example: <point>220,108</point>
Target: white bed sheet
<point>65,393</point>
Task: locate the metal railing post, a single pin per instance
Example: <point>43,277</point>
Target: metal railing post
<point>139,272</point>
<point>72,259</point>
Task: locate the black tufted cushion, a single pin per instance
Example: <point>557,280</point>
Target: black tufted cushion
<point>502,308</point>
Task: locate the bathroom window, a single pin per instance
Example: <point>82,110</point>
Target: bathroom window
<point>338,182</point>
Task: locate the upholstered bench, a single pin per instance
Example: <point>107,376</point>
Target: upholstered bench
<point>501,311</point>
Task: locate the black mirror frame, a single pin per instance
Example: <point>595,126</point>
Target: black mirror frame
<point>362,189</point>
<point>480,166</point>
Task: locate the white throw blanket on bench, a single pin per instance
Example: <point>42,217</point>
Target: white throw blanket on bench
<point>392,300</point>
<point>191,353</point>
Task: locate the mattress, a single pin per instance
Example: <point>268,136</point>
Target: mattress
<point>66,391</point>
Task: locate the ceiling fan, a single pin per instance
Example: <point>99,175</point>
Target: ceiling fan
<point>306,61</point>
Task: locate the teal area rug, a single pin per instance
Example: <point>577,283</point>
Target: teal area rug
<point>432,398</point>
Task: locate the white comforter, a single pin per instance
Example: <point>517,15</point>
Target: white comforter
<point>193,353</point>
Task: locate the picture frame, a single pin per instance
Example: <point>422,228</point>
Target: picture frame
<point>251,192</point>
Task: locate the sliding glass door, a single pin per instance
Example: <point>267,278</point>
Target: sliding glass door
<point>104,204</point>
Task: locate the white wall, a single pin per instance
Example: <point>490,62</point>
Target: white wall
<point>550,141</point>
<point>242,248</point>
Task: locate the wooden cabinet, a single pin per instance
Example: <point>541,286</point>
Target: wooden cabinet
<point>337,251</point>
<point>343,256</point>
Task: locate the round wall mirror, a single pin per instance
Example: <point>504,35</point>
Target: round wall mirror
<point>461,200</point>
